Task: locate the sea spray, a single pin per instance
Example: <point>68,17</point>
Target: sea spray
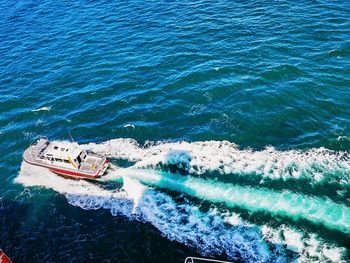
<point>316,165</point>
<point>30,175</point>
<point>309,247</point>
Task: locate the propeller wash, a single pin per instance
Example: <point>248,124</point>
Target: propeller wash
<point>254,206</point>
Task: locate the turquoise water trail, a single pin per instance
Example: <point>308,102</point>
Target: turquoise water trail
<point>286,203</point>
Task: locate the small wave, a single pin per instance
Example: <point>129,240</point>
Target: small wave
<point>39,122</point>
<point>282,72</point>
<point>197,108</point>
<point>42,109</point>
<point>129,126</point>
<point>343,138</point>
<point>337,53</point>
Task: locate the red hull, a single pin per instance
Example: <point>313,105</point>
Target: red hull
<point>70,173</point>
<point>74,174</point>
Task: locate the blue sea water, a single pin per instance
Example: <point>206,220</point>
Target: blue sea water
<point>229,122</point>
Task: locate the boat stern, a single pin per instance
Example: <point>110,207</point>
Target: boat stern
<point>103,168</point>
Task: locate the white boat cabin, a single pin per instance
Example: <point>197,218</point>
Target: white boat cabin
<point>65,155</point>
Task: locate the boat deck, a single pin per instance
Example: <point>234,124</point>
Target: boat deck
<point>91,164</point>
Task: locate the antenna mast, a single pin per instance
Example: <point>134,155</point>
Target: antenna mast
<point>71,136</point>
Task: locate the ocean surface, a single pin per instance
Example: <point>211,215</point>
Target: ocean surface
<point>227,124</point>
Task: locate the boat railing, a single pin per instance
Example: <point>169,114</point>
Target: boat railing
<point>90,153</point>
<point>37,138</point>
<point>203,260</point>
<point>35,150</point>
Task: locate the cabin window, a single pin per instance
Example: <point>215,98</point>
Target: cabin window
<point>55,147</point>
<point>58,160</point>
<point>66,161</point>
<point>82,155</point>
<point>79,159</point>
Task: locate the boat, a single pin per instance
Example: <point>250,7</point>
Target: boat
<point>66,159</point>
<point>4,258</point>
<point>203,260</point>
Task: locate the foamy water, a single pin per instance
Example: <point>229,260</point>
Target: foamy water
<point>214,232</point>
<point>316,165</point>
<point>42,109</point>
